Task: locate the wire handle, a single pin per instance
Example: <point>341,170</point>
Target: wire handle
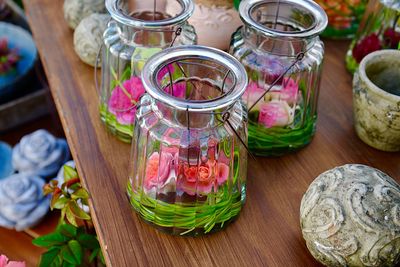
<point>177,33</point>
<point>225,118</point>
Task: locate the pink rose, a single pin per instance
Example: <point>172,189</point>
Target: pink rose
<point>252,93</point>
<point>122,102</point>
<point>274,113</point>
<point>5,263</point>
<point>158,169</point>
<point>202,178</point>
<point>289,91</point>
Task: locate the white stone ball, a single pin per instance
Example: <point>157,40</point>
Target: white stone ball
<point>88,37</point>
<point>76,10</point>
<point>350,216</point>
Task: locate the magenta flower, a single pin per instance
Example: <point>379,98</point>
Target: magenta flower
<point>122,102</point>
<point>8,57</point>
<point>252,93</point>
<point>164,71</point>
<point>179,90</point>
<point>274,113</point>
<point>4,262</point>
<point>289,91</point>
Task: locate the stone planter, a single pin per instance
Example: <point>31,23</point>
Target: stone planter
<point>376,100</point>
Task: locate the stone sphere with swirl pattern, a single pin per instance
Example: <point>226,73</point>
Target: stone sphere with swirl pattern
<point>350,216</point>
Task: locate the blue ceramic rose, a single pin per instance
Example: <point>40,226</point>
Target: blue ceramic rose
<point>40,153</point>
<point>22,204</point>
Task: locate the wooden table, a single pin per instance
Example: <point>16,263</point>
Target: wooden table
<point>267,232</point>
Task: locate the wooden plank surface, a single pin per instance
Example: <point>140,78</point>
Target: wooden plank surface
<point>267,232</point>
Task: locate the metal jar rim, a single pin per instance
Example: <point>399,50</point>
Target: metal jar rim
<point>173,54</point>
<point>319,15</point>
<point>117,14</point>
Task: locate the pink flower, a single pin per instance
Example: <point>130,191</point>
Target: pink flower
<point>122,102</point>
<point>289,91</point>
<point>164,71</point>
<point>202,178</point>
<point>274,113</point>
<point>5,263</point>
<point>179,90</point>
<point>158,169</point>
<point>252,93</point>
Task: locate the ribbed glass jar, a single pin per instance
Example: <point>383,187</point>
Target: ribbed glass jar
<point>282,53</point>
<point>136,32</point>
<point>189,160</point>
<point>344,17</point>
<point>379,29</point>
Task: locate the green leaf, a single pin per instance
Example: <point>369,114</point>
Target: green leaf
<point>70,216</point>
<point>69,173</point>
<point>47,189</point>
<point>125,75</point>
<point>85,201</point>
<point>67,230</point>
<point>76,250</point>
<point>78,212</point>
<point>59,203</point>
<point>63,210</point>
<point>75,187</point>
<point>88,241</point>
<point>80,193</point>
<point>94,254</point>
<point>49,240</point>
<point>67,255</point>
<point>236,3</point>
<point>67,264</point>
<point>101,256</point>
<point>49,258</point>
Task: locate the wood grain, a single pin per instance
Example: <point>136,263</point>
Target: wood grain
<point>266,234</point>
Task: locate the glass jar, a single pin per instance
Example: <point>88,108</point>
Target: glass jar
<point>189,160</point>
<point>136,32</point>
<point>282,53</point>
<point>379,29</point>
<point>344,17</point>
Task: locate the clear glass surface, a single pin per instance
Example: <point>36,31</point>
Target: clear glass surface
<point>189,166</point>
<point>137,31</point>
<point>275,33</point>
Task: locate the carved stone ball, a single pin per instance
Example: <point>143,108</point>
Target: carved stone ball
<point>350,216</point>
<point>77,10</point>
<point>88,37</point>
